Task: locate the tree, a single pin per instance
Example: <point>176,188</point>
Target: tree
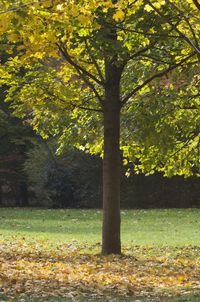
<point>16,139</point>
<point>49,179</point>
<point>86,63</point>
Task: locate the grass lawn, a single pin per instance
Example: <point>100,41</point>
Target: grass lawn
<point>54,254</point>
<point>139,227</point>
<point>113,299</point>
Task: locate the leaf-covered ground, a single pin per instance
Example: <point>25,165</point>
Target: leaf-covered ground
<point>38,269</point>
<point>162,257</point>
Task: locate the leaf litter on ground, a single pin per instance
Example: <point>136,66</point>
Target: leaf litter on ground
<point>74,270</point>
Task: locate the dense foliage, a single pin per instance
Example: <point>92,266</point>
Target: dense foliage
<point>56,75</point>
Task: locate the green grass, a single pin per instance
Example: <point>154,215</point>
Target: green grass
<point>173,227</point>
<point>114,299</point>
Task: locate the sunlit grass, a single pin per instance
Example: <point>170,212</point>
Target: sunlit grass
<point>173,227</point>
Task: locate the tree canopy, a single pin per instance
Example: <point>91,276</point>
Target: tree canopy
<point>56,74</point>
<point>85,70</point>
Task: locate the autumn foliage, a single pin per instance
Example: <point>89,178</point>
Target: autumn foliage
<point>73,270</point>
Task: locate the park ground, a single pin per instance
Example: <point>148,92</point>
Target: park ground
<point>54,255</point>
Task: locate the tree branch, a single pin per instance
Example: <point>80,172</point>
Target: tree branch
<point>87,108</point>
<point>10,158</point>
<point>154,59</point>
<point>76,66</point>
<point>186,20</point>
<point>197,4</point>
<point>71,103</point>
<point>141,51</point>
<point>95,64</point>
<point>174,27</point>
<point>157,75</point>
<point>155,35</point>
<point>83,73</point>
<point>7,171</point>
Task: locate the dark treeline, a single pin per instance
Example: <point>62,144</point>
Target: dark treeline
<point>32,175</point>
<point>74,180</point>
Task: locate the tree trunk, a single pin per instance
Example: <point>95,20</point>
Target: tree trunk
<point>111,243</point>
<point>1,195</point>
<point>24,194</point>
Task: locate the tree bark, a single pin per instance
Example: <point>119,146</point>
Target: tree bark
<point>1,195</point>
<point>111,242</point>
<point>24,194</point>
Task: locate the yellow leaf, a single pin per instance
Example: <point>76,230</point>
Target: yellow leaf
<point>118,16</point>
<point>59,6</point>
<point>31,38</point>
<point>125,162</point>
<point>148,8</point>
<point>13,37</point>
<point>84,19</point>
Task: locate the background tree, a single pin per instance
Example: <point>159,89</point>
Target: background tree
<point>15,142</point>
<point>87,63</point>
<point>48,177</point>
